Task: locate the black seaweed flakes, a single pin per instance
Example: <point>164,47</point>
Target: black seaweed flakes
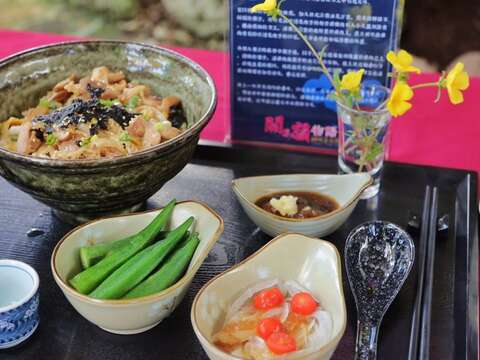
<point>81,111</point>
<point>177,116</point>
<point>38,134</point>
<point>95,92</point>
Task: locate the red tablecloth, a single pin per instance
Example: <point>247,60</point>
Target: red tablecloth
<point>433,134</point>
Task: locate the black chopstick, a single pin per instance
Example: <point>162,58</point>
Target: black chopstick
<point>422,251</point>
<point>424,349</point>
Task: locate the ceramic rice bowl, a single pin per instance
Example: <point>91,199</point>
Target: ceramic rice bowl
<point>79,190</point>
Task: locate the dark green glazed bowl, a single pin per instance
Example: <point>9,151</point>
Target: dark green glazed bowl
<point>79,190</point>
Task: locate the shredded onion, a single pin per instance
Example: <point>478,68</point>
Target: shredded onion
<point>257,348</point>
<point>280,312</point>
<point>322,330</point>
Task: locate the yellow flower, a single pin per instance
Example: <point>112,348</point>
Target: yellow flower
<point>402,61</point>
<point>267,6</point>
<point>457,81</point>
<point>351,81</point>
<point>398,102</point>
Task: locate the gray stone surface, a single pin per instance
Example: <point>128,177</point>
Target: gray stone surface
<point>204,18</point>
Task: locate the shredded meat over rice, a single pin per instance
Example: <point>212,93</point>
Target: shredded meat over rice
<point>96,116</point>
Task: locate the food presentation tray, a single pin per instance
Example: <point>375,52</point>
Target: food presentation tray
<point>30,231</point>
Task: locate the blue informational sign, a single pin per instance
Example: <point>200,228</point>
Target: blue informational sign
<point>279,95</point>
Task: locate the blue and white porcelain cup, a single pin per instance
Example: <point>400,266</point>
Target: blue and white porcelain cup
<point>18,302</point>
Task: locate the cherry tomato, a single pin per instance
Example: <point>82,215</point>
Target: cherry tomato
<point>268,299</point>
<point>281,343</point>
<point>304,304</point>
<point>268,326</point>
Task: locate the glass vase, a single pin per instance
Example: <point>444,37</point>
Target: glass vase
<point>363,135</point>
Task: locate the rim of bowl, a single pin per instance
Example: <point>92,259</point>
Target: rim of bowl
<point>31,271</point>
<point>339,278</point>
<point>158,296</point>
<point>196,127</point>
<point>312,219</point>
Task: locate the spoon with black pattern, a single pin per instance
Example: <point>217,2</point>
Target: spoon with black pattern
<point>378,258</point>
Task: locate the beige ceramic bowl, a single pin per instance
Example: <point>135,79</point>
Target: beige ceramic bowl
<point>345,189</point>
<point>136,315</point>
<point>313,263</point>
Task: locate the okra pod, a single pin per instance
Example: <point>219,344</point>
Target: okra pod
<point>90,278</point>
<point>137,268</point>
<point>169,273</point>
<point>90,255</point>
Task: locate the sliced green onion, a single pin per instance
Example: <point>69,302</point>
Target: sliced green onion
<point>47,104</point>
<point>106,103</point>
<point>125,137</point>
<point>51,139</point>
<point>88,141</point>
<point>165,124</point>
<point>133,103</point>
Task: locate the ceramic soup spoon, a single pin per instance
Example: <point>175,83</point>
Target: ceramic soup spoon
<point>378,258</point>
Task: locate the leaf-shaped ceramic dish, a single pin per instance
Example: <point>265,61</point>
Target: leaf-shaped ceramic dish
<point>313,263</point>
<point>345,189</point>
<point>135,315</point>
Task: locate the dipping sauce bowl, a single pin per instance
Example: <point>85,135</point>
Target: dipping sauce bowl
<point>18,302</point>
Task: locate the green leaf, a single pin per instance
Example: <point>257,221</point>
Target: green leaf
<point>322,52</point>
<point>375,150</point>
<point>348,100</point>
<point>359,123</point>
<point>336,78</point>
<point>403,77</point>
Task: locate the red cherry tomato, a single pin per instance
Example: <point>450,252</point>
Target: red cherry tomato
<point>281,343</point>
<point>268,326</point>
<point>268,299</point>
<point>304,304</point>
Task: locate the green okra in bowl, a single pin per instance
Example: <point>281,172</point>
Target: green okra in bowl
<point>131,287</point>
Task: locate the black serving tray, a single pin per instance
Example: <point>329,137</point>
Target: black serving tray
<point>64,334</point>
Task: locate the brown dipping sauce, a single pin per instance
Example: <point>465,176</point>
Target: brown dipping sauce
<point>310,204</point>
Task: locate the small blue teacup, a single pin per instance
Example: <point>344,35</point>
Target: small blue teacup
<point>18,302</point>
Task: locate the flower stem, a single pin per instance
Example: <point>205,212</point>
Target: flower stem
<point>366,149</point>
<point>311,47</point>
<point>430,84</point>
